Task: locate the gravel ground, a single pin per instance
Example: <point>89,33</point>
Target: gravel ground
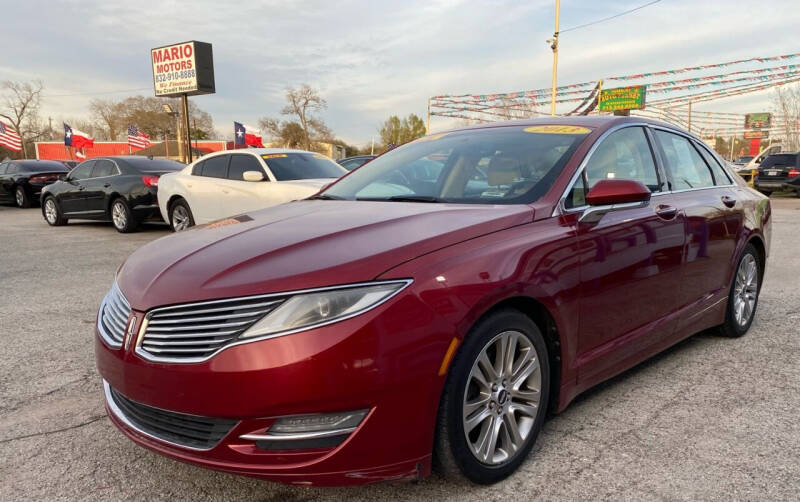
<point>710,419</point>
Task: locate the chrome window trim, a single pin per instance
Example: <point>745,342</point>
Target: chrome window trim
<point>104,336</point>
<point>112,406</point>
<point>561,210</point>
<point>192,360</point>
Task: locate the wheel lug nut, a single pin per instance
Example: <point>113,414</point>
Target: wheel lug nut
<point>494,387</point>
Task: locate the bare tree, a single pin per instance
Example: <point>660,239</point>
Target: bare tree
<point>786,101</point>
<point>302,103</point>
<point>111,114</point>
<point>21,107</point>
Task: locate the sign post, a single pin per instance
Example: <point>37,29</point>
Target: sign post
<point>622,99</point>
<point>185,69</point>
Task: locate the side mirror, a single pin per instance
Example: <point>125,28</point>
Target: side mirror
<point>252,176</point>
<point>614,195</point>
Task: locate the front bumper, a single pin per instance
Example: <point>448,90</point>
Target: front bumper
<point>385,360</point>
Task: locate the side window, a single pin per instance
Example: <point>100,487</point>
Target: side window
<point>576,197</point>
<point>685,166</point>
<point>12,169</point>
<point>216,167</point>
<point>197,170</point>
<point>103,168</point>
<point>720,176</point>
<point>83,171</point>
<point>3,167</point>
<point>624,154</point>
<point>241,163</point>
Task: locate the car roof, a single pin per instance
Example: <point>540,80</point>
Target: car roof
<point>37,163</point>
<point>143,163</point>
<point>600,122</point>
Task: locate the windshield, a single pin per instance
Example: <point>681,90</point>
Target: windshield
<point>302,166</point>
<point>498,165</point>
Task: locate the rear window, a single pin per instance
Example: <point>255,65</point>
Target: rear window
<point>302,166</point>
<point>147,165</point>
<point>780,160</point>
<point>32,167</point>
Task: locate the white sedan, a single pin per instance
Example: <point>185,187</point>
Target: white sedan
<point>228,183</point>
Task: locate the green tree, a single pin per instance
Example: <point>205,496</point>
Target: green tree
<point>398,131</point>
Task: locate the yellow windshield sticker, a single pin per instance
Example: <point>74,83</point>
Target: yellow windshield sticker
<point>320,156</point>
<point>432,137</point>
<point>558,129</point>
<point>273,156</point>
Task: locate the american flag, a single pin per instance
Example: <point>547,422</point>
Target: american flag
<point>137,138</point>
<point>9,138</point>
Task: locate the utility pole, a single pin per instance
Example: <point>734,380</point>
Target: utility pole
<point>372,151</point>
<point>428,126</point>
<point>554,46</point>
<point>690,116</point>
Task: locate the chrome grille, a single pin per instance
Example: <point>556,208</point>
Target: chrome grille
<point>194,331</point>
<point>191,431</point>
<point>113,317</point>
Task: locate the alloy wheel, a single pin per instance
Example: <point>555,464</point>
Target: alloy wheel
<point>180,218</point>
<point>745,290</point>
<point>502,398</point>
<point>50,211</point>
<point>118,215</point>
<point>19,196</point>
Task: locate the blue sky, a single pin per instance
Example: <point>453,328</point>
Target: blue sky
<point>377,58</point>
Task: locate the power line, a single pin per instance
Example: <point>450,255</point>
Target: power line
<point>610,17</point>
<point>95,93</point>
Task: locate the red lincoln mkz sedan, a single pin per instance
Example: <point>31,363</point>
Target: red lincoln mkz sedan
<point>431,307</point>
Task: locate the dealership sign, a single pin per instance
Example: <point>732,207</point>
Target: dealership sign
<point>757,120</point>
<point>185,68</point>
<point>756,134</point>
<point>622,98</point>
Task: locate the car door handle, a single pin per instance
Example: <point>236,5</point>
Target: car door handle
<point>666,212</point>
<point>81,187</point>
<point>106,185</point>
<point>225,191</point>
<point>728,200</point>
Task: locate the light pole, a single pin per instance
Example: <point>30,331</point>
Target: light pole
<point>554,45</point>
<point>169,111</point>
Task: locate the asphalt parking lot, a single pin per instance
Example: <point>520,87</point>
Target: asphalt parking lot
<point>710,419</point>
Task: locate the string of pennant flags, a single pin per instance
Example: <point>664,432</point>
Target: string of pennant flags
<point>488,107</point>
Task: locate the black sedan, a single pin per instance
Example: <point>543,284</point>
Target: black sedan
<point>351,163</point>
<point>21,181</point>
<point>119,189</point>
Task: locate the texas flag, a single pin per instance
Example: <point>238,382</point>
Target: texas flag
<point>242,137</point>
<point>77,139</point>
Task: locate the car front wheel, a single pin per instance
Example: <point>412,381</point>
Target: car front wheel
<point>743,296</point>
<point>122,216</point>
<point>495,399</point>
<point>52,213</point>
<point>180,216</point>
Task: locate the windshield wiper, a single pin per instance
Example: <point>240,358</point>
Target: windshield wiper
<point>324,196</point>
<point>404,198</point>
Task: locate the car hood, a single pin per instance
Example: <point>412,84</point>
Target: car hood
<point>314,183</point>
<point>304,244</point>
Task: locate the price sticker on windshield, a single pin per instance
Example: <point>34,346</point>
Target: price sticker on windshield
<point>431,137</point>
<point>273,156</point>
<point>558,129</point>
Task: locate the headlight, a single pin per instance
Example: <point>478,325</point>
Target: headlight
<point>323,307</point>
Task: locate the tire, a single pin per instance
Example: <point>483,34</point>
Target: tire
<point>743,295</point>
<point>122,217</point>
<point>455,452</point>
<point>21,197</point>
<point>180,216</point>
<point>52,213</point>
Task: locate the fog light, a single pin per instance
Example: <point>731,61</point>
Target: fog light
<point>318,423</point>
